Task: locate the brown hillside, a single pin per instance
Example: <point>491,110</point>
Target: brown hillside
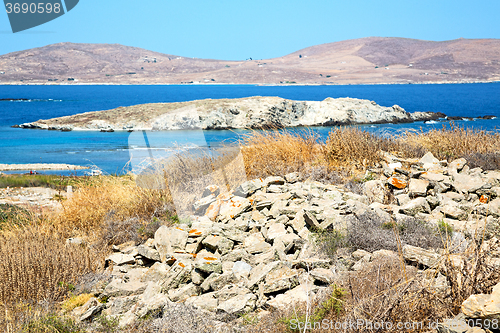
<point>366,60</point>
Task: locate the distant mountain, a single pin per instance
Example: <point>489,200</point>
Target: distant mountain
<point>374,60</point>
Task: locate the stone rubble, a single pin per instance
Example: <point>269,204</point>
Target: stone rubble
<point>252,249</point>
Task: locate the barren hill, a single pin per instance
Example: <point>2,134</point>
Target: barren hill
<point>366,60</point>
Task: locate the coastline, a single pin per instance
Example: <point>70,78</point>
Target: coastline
<point>242,84</point>
<point>40,166</point>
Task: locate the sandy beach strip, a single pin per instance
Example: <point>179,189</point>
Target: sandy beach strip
<point>40,166</point>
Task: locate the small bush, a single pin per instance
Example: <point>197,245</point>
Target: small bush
<point>332,307</point>
<point>369,232</point>
<point>445,228</point>
<point>75,301</point>
<point>14,216</point>
<point>52,323</point>
<point>329,242</point>
<point>52,181</point>
<point>91,205</point>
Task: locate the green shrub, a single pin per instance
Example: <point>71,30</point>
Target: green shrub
<point>332,306</point>
<point>52,323</point>
<point>445,228</point>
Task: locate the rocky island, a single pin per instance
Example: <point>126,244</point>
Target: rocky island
<point>219,114</point>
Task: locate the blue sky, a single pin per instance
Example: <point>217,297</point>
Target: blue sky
<point>236,30</point>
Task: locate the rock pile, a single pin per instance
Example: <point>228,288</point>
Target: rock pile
<point>252,248</point>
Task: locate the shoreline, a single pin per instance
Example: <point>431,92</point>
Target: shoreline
<point>245,84</point>
<point>40,166</point>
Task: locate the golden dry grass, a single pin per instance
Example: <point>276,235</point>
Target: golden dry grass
<point>38,266</point>
<point>75,301</point>
<point>273,153</point>
<point>351,147</point>
<point>85,212</point>
<point>454,142</point>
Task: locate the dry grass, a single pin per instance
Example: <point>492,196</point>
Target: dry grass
<point>38,266</point>
<point>86,212</point>
<point>75,301</point>
<point>454,142</point>
<point>353,148</point>
<point>185,175</point>
<point>276,153</point>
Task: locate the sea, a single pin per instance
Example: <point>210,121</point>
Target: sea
<point>113,152</point>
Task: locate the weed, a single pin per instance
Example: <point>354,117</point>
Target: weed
<point>13,216</point>
<point>333,306</point>
<point>107,325</point>
<point>330,241</point>
<point>445,228</point>
<point>52,323</point>
<point>75,301</point>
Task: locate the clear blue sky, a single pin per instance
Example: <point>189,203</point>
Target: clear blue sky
<point>236,30</point>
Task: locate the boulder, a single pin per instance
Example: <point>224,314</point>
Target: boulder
<point>465,183</point>
<point>91,308</point>
<point>397,182</point>
<point>457,165</point>
<point>276,230</point>
<point>178,274</point>
<point>423,257</point>
<point>301,294</point>
<point>280,277</point>
<point>323,275</point>
<point>206,302</point>
<point>208,264</point>
<point>183,293</point>
<point>274,180</point>
<point>258,273</point>
<point>452,211</point>
<point>241,268</point>
<point>148,253</point>
<point>233,207</point>
<point>375,191</point>
<point>211,190</point>
<point>249,187</point>
<point>238,305</point>
<point>119,288</point>
<point>169,240</point>
<point>256,243</point>
<point>415,206</point>
<point>293,177</point>
<point>201,205</point>
<point>218,243</point>
<point>120,259</point>
<point>157,272</point>
<point>417,187</point>
<point>483,306</point>
<point>311,221</point>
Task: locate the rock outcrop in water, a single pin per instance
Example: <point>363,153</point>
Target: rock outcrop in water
<point>253,112</point>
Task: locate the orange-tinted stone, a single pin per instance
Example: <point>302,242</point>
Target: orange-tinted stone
<point>397,183</point>
<point>484,199</point>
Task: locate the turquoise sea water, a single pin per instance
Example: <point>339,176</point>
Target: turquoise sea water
<point>112,151</point>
